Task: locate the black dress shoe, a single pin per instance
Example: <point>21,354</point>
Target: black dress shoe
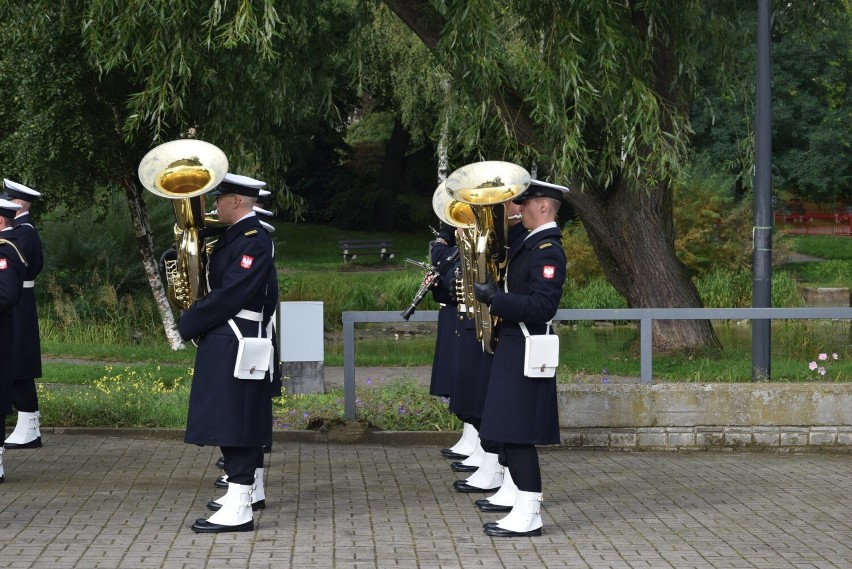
<point>215,506</point>
<point>447,453</point>
<point>465,488</point>
<point>461,467</point>
<point>221,462</point>
<point>221,482</point>
<point>487,525</point>
<point>486,506</point>
<point>203,526</point>
<point>35,443</point>
<point>500,532</point>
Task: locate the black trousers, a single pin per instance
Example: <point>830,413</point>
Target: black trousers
<point>24,395</point>
<point>240,463</point>
<point>522,461</point>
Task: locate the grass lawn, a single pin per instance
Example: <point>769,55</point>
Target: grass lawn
<point>91,383</point>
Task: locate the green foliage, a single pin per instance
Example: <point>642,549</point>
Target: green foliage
<point>583,265</point>
<point>812,109</point>
<point>811,56</point>
<point>95,85</point>
<point>712,231</point>
<point>725,288</point>
<point>597,293</point>
<point>358,291</point>
<point>132,397</point>
<point>583,75</point>
<point>372,128</point>
<point>395,404</point>
<point>825,273</point>
<point>58,120</point>
<point>96,313</point>
<point>728,288</point>
<point>92,248</point>
<point>785,290</point>
<point>396,71</point>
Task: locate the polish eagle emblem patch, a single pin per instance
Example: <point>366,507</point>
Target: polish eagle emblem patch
<point>246,262</point>
<point>548,272</point>
<point>4,264</point>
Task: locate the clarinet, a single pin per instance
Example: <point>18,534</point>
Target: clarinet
<point>428,281</point>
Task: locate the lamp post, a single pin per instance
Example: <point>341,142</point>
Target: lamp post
<point>762,230</point>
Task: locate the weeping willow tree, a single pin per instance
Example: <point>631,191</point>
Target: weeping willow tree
<point>94,84</point>
<point>598,95</point>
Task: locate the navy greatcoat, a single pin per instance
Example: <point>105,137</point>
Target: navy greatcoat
<point>270,309</point>
<point>27,343</point>
<point>515,238</point>
<point>443,254</point>
<point>468,360</point>
<point>12,267</point>
<point>519,409</point>
<point>224,410</point>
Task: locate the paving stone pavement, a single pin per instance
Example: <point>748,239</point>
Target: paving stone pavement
<point>101,501</point>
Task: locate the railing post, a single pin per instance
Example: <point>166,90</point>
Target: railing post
<point>646,335</point>
<point>348,366</point>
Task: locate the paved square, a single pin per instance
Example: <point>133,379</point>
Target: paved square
<point>118,501</point>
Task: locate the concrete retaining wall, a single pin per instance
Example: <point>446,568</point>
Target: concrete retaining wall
<point>706,415</point>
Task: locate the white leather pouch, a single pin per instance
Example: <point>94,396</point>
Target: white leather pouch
<point>253,356</point>
<point>541,353</point>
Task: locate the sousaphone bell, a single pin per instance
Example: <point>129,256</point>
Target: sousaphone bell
<point>486,187</point>
<point>183,171</point>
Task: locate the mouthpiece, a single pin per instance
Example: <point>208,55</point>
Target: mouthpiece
<point>516,216</point>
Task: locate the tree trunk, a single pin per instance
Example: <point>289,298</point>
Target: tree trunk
<point>443,158</point>
<point>139,215</point>
<point>393,166</point>
<point>630,228</point>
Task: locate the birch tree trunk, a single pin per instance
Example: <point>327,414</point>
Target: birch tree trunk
<point>139,215</point>
<point>443,159</point>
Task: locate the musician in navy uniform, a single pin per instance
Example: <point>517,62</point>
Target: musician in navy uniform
<point>521,412</point>
<point>444,256</point>
<point>27,345</point>
<point>489,472</point>
<point>276,379</point>
<point>234,414</point>
<point>12,267</point>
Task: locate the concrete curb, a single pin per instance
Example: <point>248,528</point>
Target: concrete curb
<point>835,440</point>
<point>353,432</point>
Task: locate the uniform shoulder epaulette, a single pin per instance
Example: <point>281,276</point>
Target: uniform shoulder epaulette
<point>250,233</point>
<point>545,245</point>
<point>18,251</point>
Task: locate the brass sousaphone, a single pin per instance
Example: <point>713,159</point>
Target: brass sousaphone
<point>183,171</point>
<point>486,187</point>
<point>459,215</point>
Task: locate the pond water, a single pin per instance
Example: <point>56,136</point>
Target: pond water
<point>835,335</point>
<point>787,336</point>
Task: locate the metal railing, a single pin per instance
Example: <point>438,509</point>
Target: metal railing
<point>645,316</point>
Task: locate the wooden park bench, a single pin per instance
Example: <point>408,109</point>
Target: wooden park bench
<point>351,247</point>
